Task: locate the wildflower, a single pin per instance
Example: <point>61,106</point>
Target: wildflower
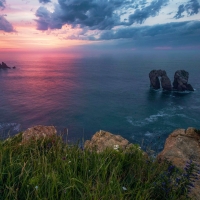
<point>139,148</point>
<point>124,188</point>
<point>36,187</point>
<point>69,162</point>
<point>116,147</point>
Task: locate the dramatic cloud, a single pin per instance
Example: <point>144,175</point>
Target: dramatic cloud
<point>192,8</point>
<point>181,9</point>
<point>96,14</point>
<point>47,20</point>
<point>5,25</point>
<point>182,28</point>
<point>150,11</point>
<point>91,13</point>
<point>2,4</point>
<point>120,19</point>
<point>44,1</point>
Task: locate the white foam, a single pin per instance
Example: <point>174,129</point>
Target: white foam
<point>148,120</point>
<point>148,134</point>
<point>172,110</point>
<point>14,126</point>
<point>182,92</point>
<point>185,116</point>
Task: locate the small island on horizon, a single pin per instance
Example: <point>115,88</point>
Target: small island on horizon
<point>5,66</point>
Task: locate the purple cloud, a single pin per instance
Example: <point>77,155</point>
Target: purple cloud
<point>5,25</point>
<point>2,4</point>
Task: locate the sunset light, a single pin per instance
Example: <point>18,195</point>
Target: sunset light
<point>99,99</point>
<point>46,24</point>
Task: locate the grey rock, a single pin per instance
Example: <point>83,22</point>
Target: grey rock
<point>181,81</point>
<point>166,83</point>
<point>154,76</point>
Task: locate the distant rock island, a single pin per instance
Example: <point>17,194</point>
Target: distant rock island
<point>5,66</point>
<point>159,78</point>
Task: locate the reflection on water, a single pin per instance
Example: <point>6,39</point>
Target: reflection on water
<point>87,94</point>
<point>38,88</point>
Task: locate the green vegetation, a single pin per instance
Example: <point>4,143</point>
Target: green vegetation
<point>50,169</point>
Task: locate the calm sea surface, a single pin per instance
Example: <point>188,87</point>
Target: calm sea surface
<point>109,92</point>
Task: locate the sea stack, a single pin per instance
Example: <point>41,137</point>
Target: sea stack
<point>154,76</point>
<point>181,81</point>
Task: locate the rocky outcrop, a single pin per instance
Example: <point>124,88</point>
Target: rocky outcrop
<point>154,80</point>
<point>180,147</point>
<point>154,76</point>
<point>102,140</point>
<point>38,132</point>
<point>166,83</point>
<point>4,66</point>
<point>181,81</point>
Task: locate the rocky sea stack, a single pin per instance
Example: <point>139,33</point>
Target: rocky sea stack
<point>181,81</point>
<point>154,76</point>
<point>159,77</point>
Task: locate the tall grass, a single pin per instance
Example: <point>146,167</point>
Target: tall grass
<point>51,169</point>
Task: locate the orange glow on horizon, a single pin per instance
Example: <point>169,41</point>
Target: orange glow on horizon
<point>30,39</point>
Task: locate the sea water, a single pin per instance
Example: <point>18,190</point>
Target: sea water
<point>83,94</point>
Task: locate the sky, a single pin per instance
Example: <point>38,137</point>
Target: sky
<point>36,25</point>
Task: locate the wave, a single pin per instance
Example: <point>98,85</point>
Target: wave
<point>163,114</point>
<point>148,120</point>
<point>10,126</point>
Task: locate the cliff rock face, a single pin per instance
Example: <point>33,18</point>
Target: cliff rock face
<point>102,140</point>
<point>38,132</point>
<point>181,81</point>
<point>181,146</point>
<point>155,82</point>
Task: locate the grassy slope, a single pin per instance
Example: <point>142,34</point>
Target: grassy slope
<point>51,169</point>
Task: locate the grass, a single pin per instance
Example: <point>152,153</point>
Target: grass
<point>51,169</point>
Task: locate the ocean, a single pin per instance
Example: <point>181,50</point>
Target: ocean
<point>84,94</point>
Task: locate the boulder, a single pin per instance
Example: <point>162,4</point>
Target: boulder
<point>154,76</point>
<point>38,132</point>
<point>180,147</point>
<point>181,81</point>
<point>102,140</point>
